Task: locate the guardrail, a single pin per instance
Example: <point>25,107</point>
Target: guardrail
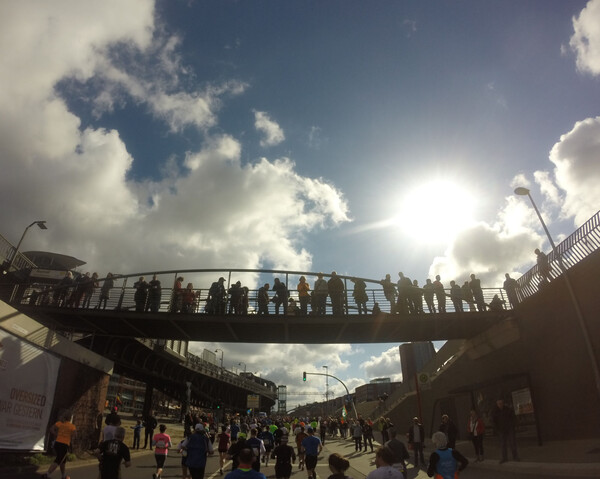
<point>7,250</point>
<point>574,249</point>
<point>123,294</point>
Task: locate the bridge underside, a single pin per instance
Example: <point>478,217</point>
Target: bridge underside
<point>383,328</point>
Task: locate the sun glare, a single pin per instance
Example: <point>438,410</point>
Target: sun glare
<point>435,211</point>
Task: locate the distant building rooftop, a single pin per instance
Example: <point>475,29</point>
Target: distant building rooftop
<point>47,260</point>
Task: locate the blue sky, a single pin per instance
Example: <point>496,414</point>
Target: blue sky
<point>362,137</point>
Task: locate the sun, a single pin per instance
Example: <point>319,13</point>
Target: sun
<point>435,211</point>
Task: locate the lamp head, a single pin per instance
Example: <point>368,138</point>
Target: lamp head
<point>521,191</point>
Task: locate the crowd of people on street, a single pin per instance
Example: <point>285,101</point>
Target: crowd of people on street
<point>251,442</point>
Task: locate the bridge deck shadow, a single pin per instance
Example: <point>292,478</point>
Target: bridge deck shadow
<point>352,328</point>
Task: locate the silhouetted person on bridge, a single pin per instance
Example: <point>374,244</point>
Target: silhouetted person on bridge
<point>543,265</point>
<point>467,296</point>
<point>61,292</point>
<point>440,295</point>
<point>359,294</point>
<point>88,290</point>
<point>416,297</point>
<point>335,286</point>
<point>108,284</point>
<point>216,297</point>
<point>262,299</point>
<point>176,299</point>
<point>497,304</point>
<point>389,291</point>
<point>154,295</point>
<point>475,286</point>
<point>511,286</point>
<point>235,298</point>
<point>428,292</point>
<point>456,296</point>
<point>188,299</point>
<point>281,296</point>
<point>320,292</point>
<point>141,294</point>
<point>404,306</point>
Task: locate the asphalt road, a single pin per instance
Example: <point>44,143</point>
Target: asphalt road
<point>143,466</point>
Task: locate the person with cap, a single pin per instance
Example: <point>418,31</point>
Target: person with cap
<point>198,447</point>
<point>311,446</point>
<point>244,469</point>
<point>449,429</point>
<point>416,438</point>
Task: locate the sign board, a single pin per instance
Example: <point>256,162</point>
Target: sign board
<point>522,402</point>
<point>28,377</point>
<point>253,401</point>
<point>424,381</point>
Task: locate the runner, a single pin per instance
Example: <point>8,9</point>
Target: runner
<point>161,443</point>
<point>64,432</point>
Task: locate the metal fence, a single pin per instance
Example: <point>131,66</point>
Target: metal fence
<point>123,294</point>
<point>574,249</point>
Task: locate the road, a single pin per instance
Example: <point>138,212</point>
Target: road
<point>143,466</point>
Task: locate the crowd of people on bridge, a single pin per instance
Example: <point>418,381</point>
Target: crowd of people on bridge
<point>405,296</point>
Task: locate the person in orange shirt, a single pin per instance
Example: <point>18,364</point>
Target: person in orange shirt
<point>64,432</point>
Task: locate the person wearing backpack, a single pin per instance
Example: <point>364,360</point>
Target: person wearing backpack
<point>161,443</point>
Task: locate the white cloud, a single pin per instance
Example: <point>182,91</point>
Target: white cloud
<point>214,212</point>
<point>577,174</point>
<point>585,42</point>
<point>387,365</point>
<point>272,132</point>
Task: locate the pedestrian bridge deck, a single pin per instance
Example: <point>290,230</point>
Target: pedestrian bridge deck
<point>253,328</point>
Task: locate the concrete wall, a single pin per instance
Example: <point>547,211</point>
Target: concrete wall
<point>541,347</point>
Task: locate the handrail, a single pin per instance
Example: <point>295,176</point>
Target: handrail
<point>7,250</point>
<point>122,296</point>
<point>574,249</point>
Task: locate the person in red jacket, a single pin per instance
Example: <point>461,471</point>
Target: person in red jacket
<point>476,430</point>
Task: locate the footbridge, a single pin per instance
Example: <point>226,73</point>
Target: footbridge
<point>130,314</point>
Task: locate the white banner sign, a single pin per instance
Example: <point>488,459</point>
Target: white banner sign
<point>28,377</point>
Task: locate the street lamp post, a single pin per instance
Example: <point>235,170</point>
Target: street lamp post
<point>41,225</point>
<point>239,364</point>
<point>326,388</point>
<point>521,191</point>
<point>216,351</point>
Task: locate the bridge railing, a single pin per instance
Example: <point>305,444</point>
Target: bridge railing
<point>123,295</point>
<point>7,251</point>
<point>574,249</point>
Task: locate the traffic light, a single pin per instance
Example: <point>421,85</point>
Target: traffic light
<point>304,376</point>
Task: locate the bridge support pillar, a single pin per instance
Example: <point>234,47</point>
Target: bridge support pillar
<point>148,410</point>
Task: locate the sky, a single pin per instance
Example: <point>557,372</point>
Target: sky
<point>361,137</point>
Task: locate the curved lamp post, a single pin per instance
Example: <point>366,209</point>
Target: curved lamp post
<point>41,224</point>
<point>239,364</point>
<point>521,191</point>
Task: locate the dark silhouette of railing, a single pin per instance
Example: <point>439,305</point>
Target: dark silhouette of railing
<point>574,249</point>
